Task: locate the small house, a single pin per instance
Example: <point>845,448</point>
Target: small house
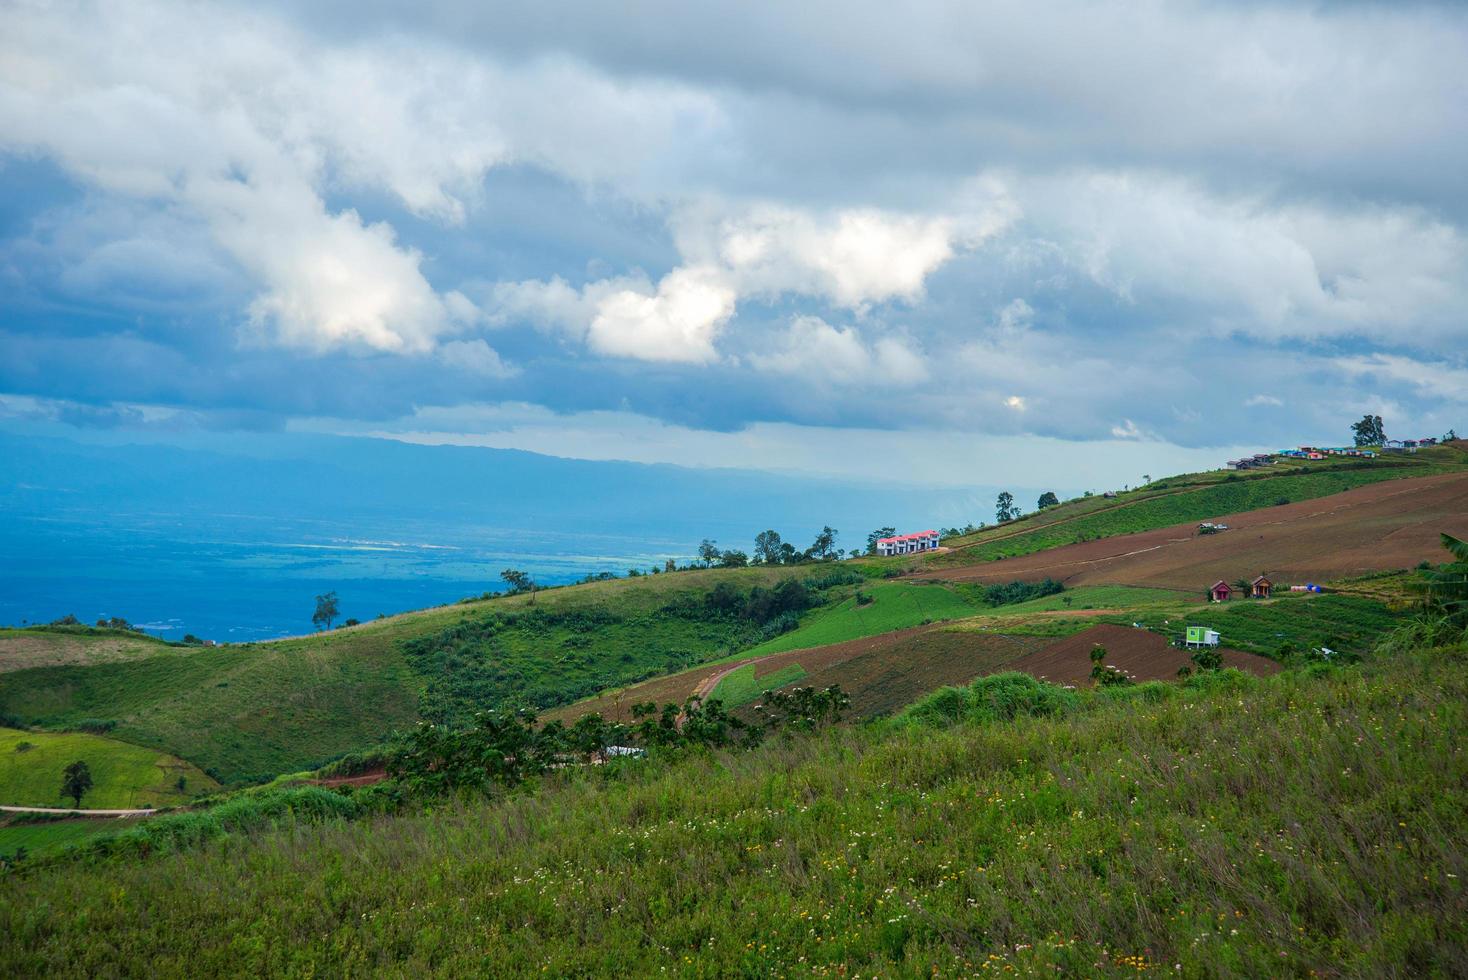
<point>1202,636</point>
<point>906,544</point>
<point>1260,588</point>
<point>1221,591</point>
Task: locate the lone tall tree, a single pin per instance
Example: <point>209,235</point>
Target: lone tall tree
<point>1047,499</point>
<point>76,779</point>
<point>1369,431</point>
<point>517,580</point>
<point>825,544</point>
<point>326,610</point>
<point>1004,507</point>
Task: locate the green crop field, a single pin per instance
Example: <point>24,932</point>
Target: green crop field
<point>741,686</point>
<point>1094,597</point>
<point>1308,823</point>
<point>124,776</point>
<point>894,606</point>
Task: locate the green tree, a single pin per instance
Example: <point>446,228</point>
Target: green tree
<point>1450,435</point>
<point>76,779</point>
<point>517,580</point>
<point>708,552</point>
<point>767,547</point>
<point>1047,499</point>
<point>326,610</point>
<point>877,535</point>
<point>733,559</point>
<point>1004,506</point>
<point>825,544</point>
<point>1447,586</point>
<point>1369,431</point>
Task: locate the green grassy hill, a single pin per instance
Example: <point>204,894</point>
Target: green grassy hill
<point>124,776</point>
<point>1309,823</point>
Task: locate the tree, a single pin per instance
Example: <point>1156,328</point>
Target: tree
<point>670,565</point>
<point>788,554</point>
<point>1447,587</point>
<point>1369,431</point>
<point>877,535</point>
<point>825,544</point>
<point>708,552</point>
<point>517,580</point>
<point>767,547</point>
<point>76,779</point>
<point>1243,587</point>
<point>1047,499</point>
<point>326,610</point>
<point>733,559</point>
<point>1450,435</point>
<point>1004,507</point>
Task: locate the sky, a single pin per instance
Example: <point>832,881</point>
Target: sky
<point>932,242</point>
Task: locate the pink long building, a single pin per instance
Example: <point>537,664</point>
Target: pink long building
<point>906,544</point>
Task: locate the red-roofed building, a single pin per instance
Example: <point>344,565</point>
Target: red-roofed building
<point>906,544</point>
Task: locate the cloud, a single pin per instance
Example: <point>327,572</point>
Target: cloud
<point>1256,401</point>
<point>678,322</point>
<point>475,357</point>
<point>849,258</point>
<point>1127,430</point>
<point>1435,378</point>
<point>816,351</point>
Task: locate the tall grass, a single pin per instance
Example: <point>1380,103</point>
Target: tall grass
<point>1310,822</point>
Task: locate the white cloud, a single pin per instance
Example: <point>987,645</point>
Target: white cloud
<point>1256,401</point>
<point>1435,378</point>
<point>1015,402</point>
<point>475,357</point>
<point>1127,430</point>
<point>817,351</point>
<point>1247,263</point>
<point>678,322</point>
<point>249,123</point>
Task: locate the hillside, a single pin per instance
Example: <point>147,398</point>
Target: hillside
<point>1387,525</point>
<point>246,713</point>
<point>124,776</point>
<point>1308,823</point>
<point>1190,498</point>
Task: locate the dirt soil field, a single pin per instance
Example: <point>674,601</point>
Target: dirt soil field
<point>1384,526</point>
<point>879,672</point>
<point>1140,654</point>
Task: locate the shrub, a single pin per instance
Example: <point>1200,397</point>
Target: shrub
<point>999,697</point>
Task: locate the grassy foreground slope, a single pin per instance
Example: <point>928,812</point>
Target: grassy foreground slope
<point>1306,823</point>
<point>124,776</point>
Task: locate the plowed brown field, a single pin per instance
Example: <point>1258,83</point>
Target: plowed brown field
<point>1383,526</point>
<point>1140,654</point>
<point>879,672</point>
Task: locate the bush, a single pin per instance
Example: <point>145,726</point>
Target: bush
<point>1004,595</point>
<point>94,726</point>
<point>999,697</point>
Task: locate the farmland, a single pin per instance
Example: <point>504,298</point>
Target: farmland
<point>1140,654</point>
<point>1234,823</point>
<point>1190,498</point>
<point>1383,526</point>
